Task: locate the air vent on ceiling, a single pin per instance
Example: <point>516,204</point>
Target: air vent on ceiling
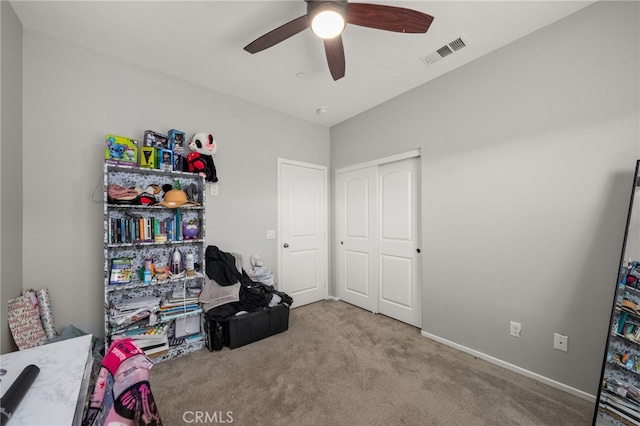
<point>444,51</point>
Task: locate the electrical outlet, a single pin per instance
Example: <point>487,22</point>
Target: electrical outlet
<point>271,234</point>
<point>516,328</point>
<point>214,189</point>
<point>560,342</point>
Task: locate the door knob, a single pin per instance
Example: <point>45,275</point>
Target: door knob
<point>418,250</point>
<point>286,245</point>
<point>341,242</point>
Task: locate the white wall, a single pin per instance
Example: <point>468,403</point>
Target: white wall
<point>527,164</point>
<point>10,166</point>
<point>72,98</point>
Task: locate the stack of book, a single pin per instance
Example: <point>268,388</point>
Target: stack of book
<point>180,303</point>
<point>141,229</point>
<point>621,400</point>
<point>152,340</point>
<point>130,311</point>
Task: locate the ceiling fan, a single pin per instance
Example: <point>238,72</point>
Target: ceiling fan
<point>328,18</point>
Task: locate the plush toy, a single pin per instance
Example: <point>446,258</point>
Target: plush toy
<point>190,229</point>
<point>200,160</point>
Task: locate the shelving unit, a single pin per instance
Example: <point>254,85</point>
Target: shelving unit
<point>160,251</point>
<point>618,399</point>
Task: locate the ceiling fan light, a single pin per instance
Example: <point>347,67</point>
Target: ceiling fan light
<point>327,24</point>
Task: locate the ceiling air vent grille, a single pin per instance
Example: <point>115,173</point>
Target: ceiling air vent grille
<point>457,44</point>
<point>444,51</point>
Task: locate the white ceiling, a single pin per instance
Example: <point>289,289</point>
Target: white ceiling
<point>202,42</point>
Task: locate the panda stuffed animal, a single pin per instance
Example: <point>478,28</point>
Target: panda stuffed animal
<point>200,160</point>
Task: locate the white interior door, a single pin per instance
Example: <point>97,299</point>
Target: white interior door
<point>358,234</point>
<point>400,291</point>
<point>378,239</point>
<point>303,253</point>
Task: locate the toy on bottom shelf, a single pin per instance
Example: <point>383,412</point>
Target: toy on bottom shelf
<point>200,160</point>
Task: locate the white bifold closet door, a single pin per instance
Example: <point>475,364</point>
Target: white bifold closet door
<point>378,239</point>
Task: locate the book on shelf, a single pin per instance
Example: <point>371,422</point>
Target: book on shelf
<point>194,338</point>
<point>149,333</point>
<point>153,347</point>
<point>149,344</point>
<point>181,313</point>
<point>179,307</point>
<point>180,298</point>
<point>121,270</point>
<point>181,293</point>
<point>178,312</point>
<point>158,351</point>
<point>149,347</point>
<point>623,405</point>
<point>138,322</point>
<point>150,302</point>
<point>166,303</point>
<point>129,311</point>
<point>126,230</point>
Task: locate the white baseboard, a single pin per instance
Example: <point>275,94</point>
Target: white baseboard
<point>335,299</point>
<point>514,368</point>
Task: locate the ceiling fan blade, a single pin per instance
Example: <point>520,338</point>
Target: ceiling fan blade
<point>281,33</point>
<point>388,18</point>
<point>334,49</point>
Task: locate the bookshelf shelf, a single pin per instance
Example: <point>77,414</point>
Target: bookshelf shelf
<point>626,370</point>
<point>196,279</point>
<point>136,302</point>
<point>632,290</point>
<point>182,315</point>
<point>620,336</point>
<point>143,207</point>
<point>140,244</point>
<point>148,171</point>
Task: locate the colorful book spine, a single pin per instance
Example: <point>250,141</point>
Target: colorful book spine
<point>176,229</point>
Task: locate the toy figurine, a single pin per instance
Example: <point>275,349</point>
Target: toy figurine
<point>190,230</point>
<point>200,160</point>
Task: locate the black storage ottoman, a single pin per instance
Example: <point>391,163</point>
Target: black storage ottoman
<point>247,328</point>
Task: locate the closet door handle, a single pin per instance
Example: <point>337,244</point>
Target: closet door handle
<point>286,245</point>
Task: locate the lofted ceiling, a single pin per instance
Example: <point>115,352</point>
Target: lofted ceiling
<point>202,42</point>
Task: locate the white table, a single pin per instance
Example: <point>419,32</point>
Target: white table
<point>58,394</point>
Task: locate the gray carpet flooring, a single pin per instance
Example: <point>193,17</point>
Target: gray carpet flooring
<point>340,365</point>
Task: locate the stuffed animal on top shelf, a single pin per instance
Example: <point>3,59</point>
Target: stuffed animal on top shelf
<point>200,160</point>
